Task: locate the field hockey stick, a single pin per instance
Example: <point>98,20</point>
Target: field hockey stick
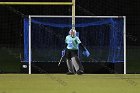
<point>60,61</point>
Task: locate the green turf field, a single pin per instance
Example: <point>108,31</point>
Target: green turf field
<point>61,83</point>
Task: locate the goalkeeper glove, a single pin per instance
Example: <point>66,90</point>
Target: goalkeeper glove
<point>63,52</point>
<point>86,53</point>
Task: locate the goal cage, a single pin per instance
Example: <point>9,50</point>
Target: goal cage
<point>103,36</point>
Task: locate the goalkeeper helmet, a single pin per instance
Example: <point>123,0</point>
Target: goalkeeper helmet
<point>72,32</point>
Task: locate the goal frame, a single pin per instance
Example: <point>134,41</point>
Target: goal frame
<point>52,16</point>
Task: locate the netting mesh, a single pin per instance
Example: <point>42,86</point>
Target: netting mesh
<point>103,37</point>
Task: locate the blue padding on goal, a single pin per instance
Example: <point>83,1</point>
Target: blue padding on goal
<point>66,25</point>
<point>26,40</point>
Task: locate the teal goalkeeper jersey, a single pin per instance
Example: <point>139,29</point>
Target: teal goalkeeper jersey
<point>72,42</point>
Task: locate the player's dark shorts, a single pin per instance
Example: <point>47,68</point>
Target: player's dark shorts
<point>71,53</point>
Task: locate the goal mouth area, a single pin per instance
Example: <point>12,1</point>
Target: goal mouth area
<point>54,24</point>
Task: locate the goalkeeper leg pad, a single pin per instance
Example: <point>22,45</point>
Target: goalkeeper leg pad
<point>70,66</point>
<point>77,64</point>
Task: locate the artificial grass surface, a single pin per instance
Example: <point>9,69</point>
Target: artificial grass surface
<point>61,83</point>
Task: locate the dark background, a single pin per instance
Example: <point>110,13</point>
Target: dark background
<point>11,26</point>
